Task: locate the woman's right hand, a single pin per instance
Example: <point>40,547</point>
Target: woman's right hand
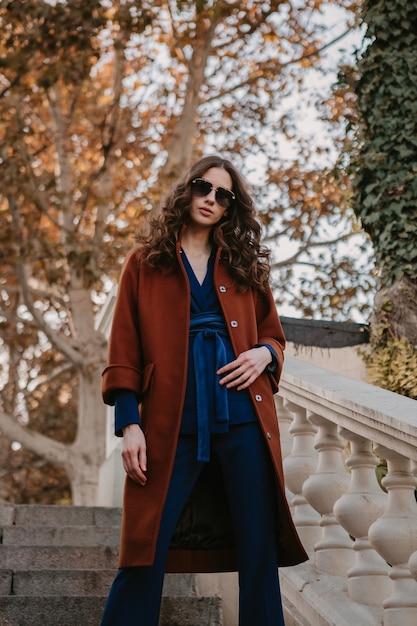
<point>134,453</point>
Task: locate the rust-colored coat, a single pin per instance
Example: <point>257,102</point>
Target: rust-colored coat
<point>148,355</point>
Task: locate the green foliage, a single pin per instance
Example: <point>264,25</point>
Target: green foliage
<point>384,168</point>
<point>392,363</point>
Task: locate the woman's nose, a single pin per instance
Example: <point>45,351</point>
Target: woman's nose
<point>211,197</point>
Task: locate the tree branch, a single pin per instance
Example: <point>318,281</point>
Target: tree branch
<point>178,47</point>
<point>54,451</point>
<point>65,177</point>
<point>275,66</point>
<point>46,380</point>
<point>110,133</point>
<point>21,270</point>
<point>11,84</point>
<point>73,355</point>
<point>306,247</point>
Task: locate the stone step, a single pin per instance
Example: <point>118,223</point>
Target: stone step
<point>197,611</point>
<point>67,582</point>
<point>86,611</point>
<point>61,535</point>
<point>40,611</point>
<point>52,515</point>
<point>57,564</point>
<point>20,558</point>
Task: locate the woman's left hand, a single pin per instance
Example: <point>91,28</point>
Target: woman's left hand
<point>244,370</point>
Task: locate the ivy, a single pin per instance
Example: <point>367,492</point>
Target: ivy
<point>384,167</point>
<point>392,364</point>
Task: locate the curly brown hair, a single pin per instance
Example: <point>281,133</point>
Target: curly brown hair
<point>238,234</point>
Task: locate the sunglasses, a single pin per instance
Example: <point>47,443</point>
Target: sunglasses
<point>201,187</point>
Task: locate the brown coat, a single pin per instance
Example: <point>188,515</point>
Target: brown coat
<point>148,355</point>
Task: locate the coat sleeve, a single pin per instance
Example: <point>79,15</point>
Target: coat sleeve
<point>124,364</point>
<point>270,331</point>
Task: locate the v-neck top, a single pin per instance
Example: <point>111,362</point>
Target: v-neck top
<point>209,407</point>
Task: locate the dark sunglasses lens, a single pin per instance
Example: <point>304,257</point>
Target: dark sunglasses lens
<point>201,187</point>
<point>224,197</point>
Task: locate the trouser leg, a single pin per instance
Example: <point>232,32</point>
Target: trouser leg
<point>249,481</point>
<point>135,595</point>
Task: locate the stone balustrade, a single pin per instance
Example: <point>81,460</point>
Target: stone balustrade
<point>361,535</point>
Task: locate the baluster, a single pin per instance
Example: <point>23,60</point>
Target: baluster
<point>394,536</point>
<point>284,421</point>
<point>412,563</point>
<point>356,510</point>
<point>298,466</point>
<point>333,551</point>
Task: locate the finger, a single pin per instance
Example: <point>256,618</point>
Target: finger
<point>244,370</point>
<point>237,380</point>
<point>132,467</point>
<point>229,378</point>
<point>229,367</point>
<point>244,360</point>
<point>245,378</point>
<point>139,477</point>
<point>143,459</point>
<point>247,383</point>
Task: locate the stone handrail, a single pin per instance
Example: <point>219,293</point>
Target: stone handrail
<point>361,537</point>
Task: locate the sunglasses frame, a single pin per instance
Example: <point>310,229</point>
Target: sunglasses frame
<point>226,194</point>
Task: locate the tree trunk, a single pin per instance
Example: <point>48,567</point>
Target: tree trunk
<point>180,146</point>
<point>397,306</point>
<point>84,483</point>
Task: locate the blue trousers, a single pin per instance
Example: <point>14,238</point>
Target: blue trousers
<point>135,595</point>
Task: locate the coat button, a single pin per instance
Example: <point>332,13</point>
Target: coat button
<point>269,435</point>
<point>258,398</point>
<point>234,324</point>
<point>222,289</point>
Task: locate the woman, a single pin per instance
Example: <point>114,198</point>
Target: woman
<point>196,342</point>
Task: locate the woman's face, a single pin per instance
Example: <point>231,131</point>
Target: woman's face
<point>207,210</point>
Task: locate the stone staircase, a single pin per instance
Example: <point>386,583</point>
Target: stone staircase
<point>57,564</point>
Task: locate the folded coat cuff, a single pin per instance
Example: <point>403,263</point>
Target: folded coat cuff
<point>126,377</point>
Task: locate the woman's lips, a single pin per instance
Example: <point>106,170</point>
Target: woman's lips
<point>205,211</point>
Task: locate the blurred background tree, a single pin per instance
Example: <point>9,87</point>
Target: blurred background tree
<point>103,105</point>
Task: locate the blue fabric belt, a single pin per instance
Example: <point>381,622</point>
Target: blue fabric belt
<point>208,326</point>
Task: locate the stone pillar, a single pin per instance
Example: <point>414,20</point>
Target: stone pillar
<point>412,564</point>
<point>284,421</point>
<point>356,510</point>
<point>333,552</point>
<point>394,536</point>
<point>298,466</point>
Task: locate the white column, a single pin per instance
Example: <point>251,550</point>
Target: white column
<point>284,422</point>
<point>394,536</point>
<point>356,510</point>
<point>298,466</point>
<point>333,552</point>
<point>412,564</point>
